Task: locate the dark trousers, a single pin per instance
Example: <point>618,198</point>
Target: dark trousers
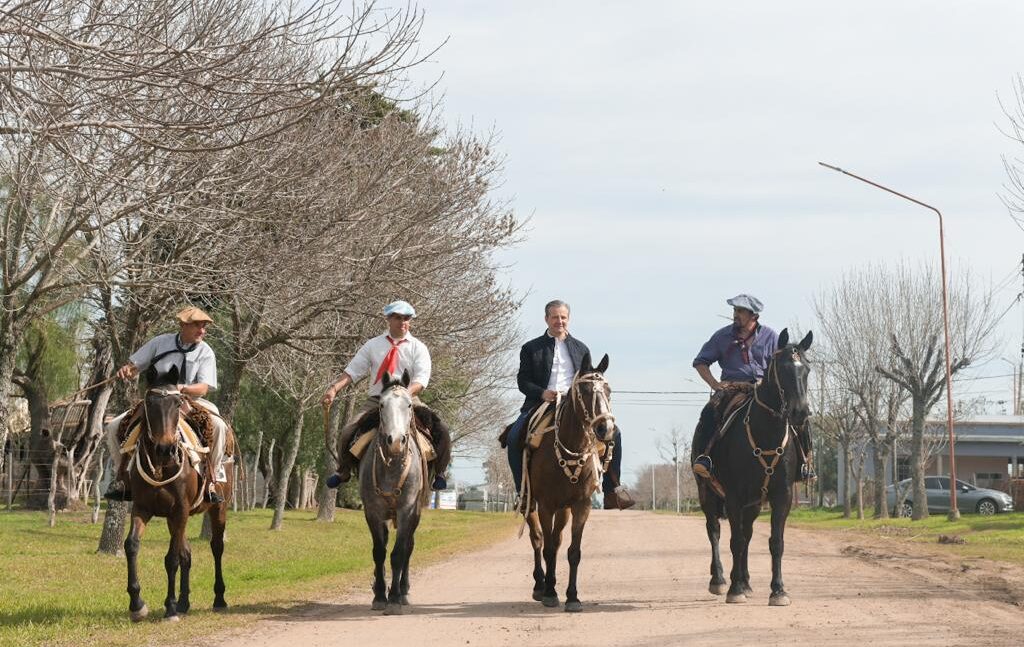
<point>705,429</point>
<point>515,452</point>
<point>613,477</point>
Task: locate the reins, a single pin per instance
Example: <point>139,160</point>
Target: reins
<point>142,450</point>
<point>776,453</point>
<point>572,466</point>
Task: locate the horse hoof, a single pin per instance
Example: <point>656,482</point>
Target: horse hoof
<point>220,605</point>
<point>538,594</point>
<point>736,598</point>
<point>379,605</point>
<point>393,609</point>
<point>404,600</point>
<point>778,600</point>
<point>138,616</point>
<point>174,618</point>
<point>550,600</point>
<point>718,589</point>
<point>574,606</point>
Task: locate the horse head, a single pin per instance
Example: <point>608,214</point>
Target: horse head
<point>789,370</point>
<point>591,398</point>
<point>395,413</point>
<point>161,407</point>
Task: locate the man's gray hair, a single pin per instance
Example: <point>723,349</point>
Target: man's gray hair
<point>557,303</point>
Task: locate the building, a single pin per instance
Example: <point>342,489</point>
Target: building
<point>989,452</point>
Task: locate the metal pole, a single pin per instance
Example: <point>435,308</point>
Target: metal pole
<point>654,499</point>
<point>954,512</point>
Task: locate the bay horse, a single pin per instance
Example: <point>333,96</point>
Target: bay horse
<point>756,462</point>
<point>393,486</point>
<point>164,483</point>
<point>564,471</point>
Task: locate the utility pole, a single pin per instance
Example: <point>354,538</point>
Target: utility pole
<point>654,499</point>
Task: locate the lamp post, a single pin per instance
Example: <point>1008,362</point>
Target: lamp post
<point>1013,386</point>
<point>954,512</point>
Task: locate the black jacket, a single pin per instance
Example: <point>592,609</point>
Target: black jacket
<point>535,360</point>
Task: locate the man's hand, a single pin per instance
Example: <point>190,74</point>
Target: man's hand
<point>128,371</point>
<point>549,395</point>
<point>329,396</point>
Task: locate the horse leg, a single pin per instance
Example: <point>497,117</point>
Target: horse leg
<point>737,591</point>
<point>136,606</point>
<point>177,524</point>
<point>717,586</point>
<point>537,541</point>
<point>218,524</point>
<point>399,563</point>
<point>749,516</point>
<point>379,532</point>
<point>553,523</point>
<point>408,558</point>
<point>580,513</point>
<point>780,513</point>
<point>184,586</point>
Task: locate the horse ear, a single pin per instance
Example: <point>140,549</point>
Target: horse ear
<point>172,376</point>
<point>149,377</point>
<point>784,338</point>
<point>405,377</point>
<point>585,365</point>
<point>805,343</point>
<point>385,381</point>
<point>602,366</point>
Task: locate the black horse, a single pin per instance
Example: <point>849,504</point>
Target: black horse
<point>756,462</point>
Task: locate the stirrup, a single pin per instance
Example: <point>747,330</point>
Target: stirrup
<point>213,496</point>
<point>700,469</point>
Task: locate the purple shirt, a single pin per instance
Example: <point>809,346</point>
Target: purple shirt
<point>724,348</point>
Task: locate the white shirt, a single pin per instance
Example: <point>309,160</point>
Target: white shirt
<point>412,355</point>
<point>562,370</point>
<point>200,368</point>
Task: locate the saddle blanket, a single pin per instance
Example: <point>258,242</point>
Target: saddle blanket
<point>422,439</point>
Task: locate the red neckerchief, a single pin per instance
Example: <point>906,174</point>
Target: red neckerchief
<point>744,347</point>
<point>390,363</point>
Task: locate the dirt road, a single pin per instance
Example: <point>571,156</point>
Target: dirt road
<point>643,581</point>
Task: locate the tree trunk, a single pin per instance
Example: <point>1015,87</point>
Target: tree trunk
<point>287,464</point>
<point>879,456</point>
<point>268,474</point>
<point>112,538</point>
<point>847,474</point>
<point>255,469</point>
<point>917,460</point>
<point>327,497</point>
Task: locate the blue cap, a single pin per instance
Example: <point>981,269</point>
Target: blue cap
<point>399,308</point>
<point>746,302</point>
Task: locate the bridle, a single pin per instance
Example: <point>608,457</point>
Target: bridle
<point>570,461</point>
<point>391,496</point>
<point>180,457</point>
<point>776,453</point>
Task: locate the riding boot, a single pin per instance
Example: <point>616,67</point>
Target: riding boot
<point>119,490</point>
<point>212,495</point>
<point>611,502</point>
<point>702,465</point>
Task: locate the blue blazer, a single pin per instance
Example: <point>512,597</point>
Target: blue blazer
<point>535,360</point>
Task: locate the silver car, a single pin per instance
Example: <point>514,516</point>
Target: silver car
<point>968,497</point>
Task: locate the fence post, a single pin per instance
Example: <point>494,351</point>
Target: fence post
<point>10,479</point>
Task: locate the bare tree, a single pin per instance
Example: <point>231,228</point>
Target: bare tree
<point>674,448</point>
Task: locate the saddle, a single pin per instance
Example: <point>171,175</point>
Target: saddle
<point>195,429</point>
<point>425,422</point>
<point>726,402</point>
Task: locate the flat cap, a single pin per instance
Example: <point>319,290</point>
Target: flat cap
<point>747,302</point>
<point>192,314</point>
<point>399,308</point>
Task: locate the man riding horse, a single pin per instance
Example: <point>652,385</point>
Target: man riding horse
<point>547,365</point>
<point>393,352</point>
<point>742,350</point>
<point>197,368</point>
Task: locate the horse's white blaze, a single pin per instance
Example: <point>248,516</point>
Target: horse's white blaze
<point>395,418</point>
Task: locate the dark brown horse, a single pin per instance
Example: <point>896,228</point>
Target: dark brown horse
<point>164,484</point>
<point>563,474</point>
<point>756,462</point>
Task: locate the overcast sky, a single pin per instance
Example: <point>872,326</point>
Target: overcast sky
<point>666,156</point>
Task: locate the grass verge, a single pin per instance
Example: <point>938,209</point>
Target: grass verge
<point>999,537</point>
<point>55,589</point>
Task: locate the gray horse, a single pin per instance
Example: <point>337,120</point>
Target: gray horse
<point>392,483</point>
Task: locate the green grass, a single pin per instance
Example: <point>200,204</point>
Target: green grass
<point>999,537</point>
<point>55,589</point>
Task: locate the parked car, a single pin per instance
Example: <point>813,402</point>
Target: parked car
<point>968,497</point>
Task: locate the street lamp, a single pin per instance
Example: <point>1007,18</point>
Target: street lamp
<point>954,512</point>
